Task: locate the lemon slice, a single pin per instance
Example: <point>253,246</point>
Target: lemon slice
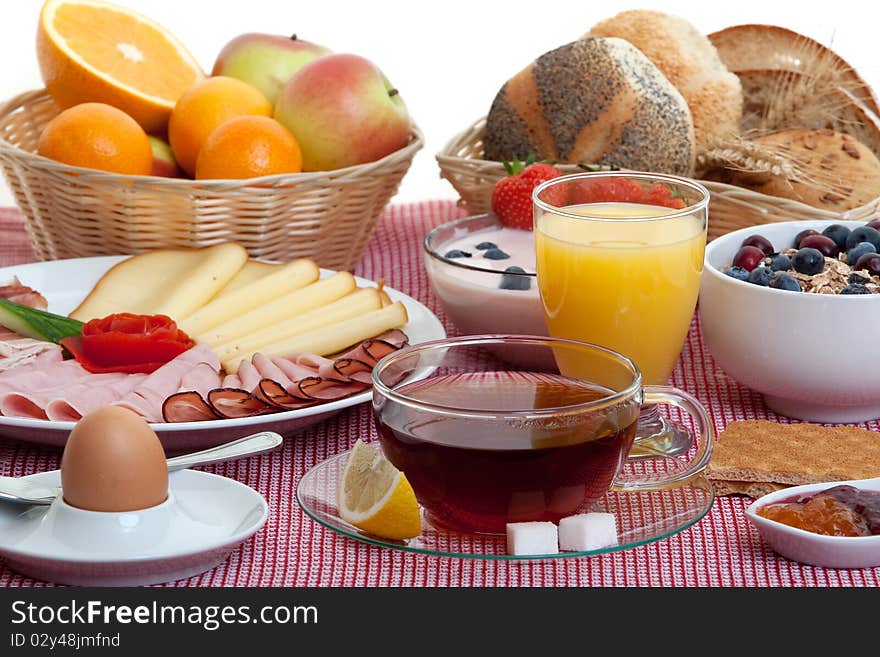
<point>376,497</point>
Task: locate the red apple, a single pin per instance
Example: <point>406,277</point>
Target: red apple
<point>265,61</point>
<point>343,111</point>
<point>164,164</point>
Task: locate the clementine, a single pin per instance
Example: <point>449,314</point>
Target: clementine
<point>249,147</point>
<point>203,108</point>
<point>97,136</point>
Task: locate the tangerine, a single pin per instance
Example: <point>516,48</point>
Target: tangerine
<point>203,108</point>
<point>97,136</point>
<point>249,147</point>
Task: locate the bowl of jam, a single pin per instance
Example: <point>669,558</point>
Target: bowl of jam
<point>831,524</point>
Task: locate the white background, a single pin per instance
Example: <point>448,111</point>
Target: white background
<point>449,57</point>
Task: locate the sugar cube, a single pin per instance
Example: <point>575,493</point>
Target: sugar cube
<point>587,531</point>
<point>532,538</point>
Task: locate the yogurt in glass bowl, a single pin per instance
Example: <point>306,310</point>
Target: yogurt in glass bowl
<point>484,275</point>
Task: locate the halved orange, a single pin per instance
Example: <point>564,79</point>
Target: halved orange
<point>94,51</point>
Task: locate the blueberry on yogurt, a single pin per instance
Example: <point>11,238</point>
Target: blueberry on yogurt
<point>495,254</point>
<point>512,279</point>
<point>457,253</point>
<point>485,246</point>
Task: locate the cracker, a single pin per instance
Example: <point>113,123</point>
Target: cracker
<point>794,454</point>
<point>754,489</point>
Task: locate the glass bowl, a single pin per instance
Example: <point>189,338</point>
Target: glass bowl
<point>476,293</point>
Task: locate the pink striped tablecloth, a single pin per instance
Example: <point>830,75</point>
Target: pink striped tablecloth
<point>721,550</point>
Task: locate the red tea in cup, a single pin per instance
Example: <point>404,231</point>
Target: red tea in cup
<point>478,476</point>
<point>491,430</point>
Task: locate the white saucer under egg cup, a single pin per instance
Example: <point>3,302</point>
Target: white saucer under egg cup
<point>204,518</point>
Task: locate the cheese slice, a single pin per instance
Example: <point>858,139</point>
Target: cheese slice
<point>331,339</point>
<point>174,282</point>
<point>357,303</point>
<point>224,307</point>
<point>288,305</point>
<point>252,270</point>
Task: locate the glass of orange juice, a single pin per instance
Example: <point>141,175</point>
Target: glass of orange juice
<point>619,259</point>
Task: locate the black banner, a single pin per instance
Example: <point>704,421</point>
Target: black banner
<point>130,621</point>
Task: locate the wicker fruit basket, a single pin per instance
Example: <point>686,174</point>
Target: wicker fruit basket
<point>74,212</point>
<point>730,208</point>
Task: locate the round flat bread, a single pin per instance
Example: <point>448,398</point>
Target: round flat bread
<point>750,47</point>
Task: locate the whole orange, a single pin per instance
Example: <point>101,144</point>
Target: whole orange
<point>97,136</point>
<point>203,108</point>
<point>249,147</point>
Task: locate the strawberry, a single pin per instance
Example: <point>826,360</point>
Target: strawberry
<point>512,195</point>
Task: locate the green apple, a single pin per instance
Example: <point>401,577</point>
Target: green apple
<point>343,111</point>
<point>265,61</point>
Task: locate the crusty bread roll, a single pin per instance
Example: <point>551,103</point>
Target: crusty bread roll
<point>776,99</point>
<point>749,47</point>
<point>836,172</point>
<point>593,101</point>
<point>689,60</point>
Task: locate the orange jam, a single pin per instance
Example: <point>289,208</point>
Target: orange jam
<point>838,511</point>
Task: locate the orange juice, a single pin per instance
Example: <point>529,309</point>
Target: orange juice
<point>626,283</point>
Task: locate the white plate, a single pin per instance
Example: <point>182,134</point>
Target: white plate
<point>65,284</point>
<point>205,517</point>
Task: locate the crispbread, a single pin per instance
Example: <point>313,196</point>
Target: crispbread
<point>753,489</point>
<point>794,454</point>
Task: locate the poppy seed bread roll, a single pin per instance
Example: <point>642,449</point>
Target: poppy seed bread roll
<point>593,101</point>
<point>689,61</point>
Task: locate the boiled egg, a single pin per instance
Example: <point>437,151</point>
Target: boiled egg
<point>113,461</point>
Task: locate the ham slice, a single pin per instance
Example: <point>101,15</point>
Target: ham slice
<point>231,403</point>
<point>203,378</point>
<point>266,385</point>
<point>22,294</point>
<point>46,371</point>
<point>148,398</point>
<point>16,350</point>
<point>91,394</point>
<point>189,387</point>
<point>187,407</point>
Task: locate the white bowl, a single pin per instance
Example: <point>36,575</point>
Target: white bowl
<point>816,549</point>
<point>811,355</point>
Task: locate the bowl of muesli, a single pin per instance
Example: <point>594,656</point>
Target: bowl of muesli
<point>792,310</point>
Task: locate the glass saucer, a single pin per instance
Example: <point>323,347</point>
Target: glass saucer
<point>641,518</point>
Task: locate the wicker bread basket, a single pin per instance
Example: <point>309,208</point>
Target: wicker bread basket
<point>75,212</point>
<point>730,208</point>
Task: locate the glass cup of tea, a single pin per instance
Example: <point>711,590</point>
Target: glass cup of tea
<point>619,260</point>
<point>496,429</point>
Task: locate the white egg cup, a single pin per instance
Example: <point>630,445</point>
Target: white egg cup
<point>202,520</point>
